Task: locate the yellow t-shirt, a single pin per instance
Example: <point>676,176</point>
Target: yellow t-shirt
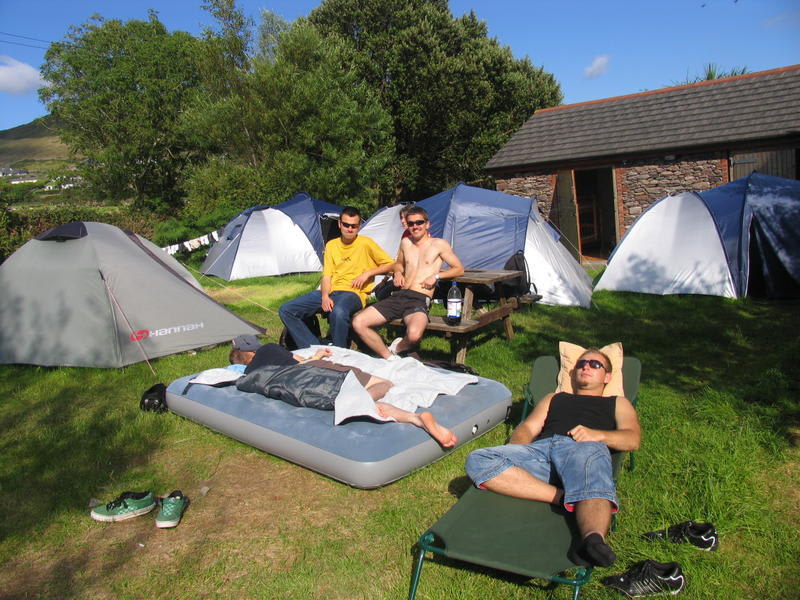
<point>344,262</point>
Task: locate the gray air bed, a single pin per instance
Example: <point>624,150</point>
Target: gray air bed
<point>361,453</point>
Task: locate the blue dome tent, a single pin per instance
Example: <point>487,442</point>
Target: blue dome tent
<point>735,240</point>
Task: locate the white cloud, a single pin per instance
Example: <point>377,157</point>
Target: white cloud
<point>17,77</point>
<point>787,19</point>
<point>598,67</point>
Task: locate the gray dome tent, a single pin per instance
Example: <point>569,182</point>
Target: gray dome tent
<point>92,295</point>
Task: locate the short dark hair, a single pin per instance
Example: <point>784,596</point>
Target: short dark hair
<point>352,211</point>
<point>596,351</point>
<point>404,210</point>
<point>240,357</point>
<point>417,210</point>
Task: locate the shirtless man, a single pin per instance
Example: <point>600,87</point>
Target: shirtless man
<point>416,271</point>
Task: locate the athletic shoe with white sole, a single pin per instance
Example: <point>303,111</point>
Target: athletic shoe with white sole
<point>394,344</point>
<point>648,578</point>
<point>702,535</point>
<point>172,508</point>
<point>126,506</point>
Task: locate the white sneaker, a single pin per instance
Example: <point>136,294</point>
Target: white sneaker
<point>394,344</point>
<point>394,357</point>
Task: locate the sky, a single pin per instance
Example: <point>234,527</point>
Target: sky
<point>594,48</point>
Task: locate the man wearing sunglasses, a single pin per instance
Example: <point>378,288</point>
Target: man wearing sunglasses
<point>417,270</point>
<point>350,265</point>
<point>561,454</point>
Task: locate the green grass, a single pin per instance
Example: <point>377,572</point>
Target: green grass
<point>718,404</point>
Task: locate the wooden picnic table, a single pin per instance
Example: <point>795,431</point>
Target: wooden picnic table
<point>473,321</point>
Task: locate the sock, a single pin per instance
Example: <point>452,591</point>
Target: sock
<point>596,551</point>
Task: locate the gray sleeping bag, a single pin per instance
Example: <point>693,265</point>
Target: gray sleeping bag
<point>298,385</point>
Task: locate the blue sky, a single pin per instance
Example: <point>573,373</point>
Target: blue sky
<point>595,48</point>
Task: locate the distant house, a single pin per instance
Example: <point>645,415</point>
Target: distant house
<point>9,172</point>
<point>595,166</point>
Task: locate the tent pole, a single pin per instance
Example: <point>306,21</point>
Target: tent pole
<point>124,316</point>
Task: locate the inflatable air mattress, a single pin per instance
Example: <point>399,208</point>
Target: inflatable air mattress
<point>361,453</point>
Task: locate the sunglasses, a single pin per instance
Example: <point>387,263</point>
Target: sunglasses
<point>349,225</point>
<point>412,223</point>
<point>595,364</point>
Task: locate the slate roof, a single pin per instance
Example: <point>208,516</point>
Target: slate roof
<point>748,107</point>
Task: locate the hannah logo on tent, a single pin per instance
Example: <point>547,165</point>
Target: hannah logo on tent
<point>138,336</point>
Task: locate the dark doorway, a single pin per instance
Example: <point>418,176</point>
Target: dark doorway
<point>594,194</point>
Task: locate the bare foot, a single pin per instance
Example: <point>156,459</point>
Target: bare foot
<point>441,434</point>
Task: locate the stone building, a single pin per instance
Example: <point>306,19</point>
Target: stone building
<point>595,166</point>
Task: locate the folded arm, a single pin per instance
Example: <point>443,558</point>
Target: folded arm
<point>627,435</point>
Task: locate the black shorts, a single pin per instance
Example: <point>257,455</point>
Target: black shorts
<point>402,303</point>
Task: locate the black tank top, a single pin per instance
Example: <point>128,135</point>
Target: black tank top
<point>568,410</point>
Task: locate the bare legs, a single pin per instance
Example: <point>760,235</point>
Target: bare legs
<point>365,322</point>
<point>518,483</point>
<point>425,420</point>
<point>415,328</point>
<point>377,387</point>
<point>593,515</point>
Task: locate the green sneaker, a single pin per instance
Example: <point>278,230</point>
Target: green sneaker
<point>126,506</point>
<point>172,508</point>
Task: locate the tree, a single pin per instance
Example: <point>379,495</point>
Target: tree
<point>454,95</point>
<point>293,118</point>
<point>117,90</point>
<point>713,71</point>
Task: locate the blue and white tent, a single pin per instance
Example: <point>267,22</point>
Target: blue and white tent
<point>485,228</point>
<point>272,240</point>
<point>738,239</point>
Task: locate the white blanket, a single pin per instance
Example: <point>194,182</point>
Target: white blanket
<point>414,384</point>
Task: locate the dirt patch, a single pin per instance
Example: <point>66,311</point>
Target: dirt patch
<point>256,509</point>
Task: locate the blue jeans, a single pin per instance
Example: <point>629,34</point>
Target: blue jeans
<point>582,468</point>
<point>292,313</point>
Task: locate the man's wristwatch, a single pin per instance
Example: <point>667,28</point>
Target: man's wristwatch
<point>437,276</point>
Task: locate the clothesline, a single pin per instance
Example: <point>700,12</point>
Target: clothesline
<point>190,245</point>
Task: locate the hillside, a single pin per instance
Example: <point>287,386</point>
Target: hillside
<point>34,141</point>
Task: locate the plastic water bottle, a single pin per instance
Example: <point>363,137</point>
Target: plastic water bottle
<point>454,304</point>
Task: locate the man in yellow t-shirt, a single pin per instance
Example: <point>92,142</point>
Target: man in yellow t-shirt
<point>349,269</point>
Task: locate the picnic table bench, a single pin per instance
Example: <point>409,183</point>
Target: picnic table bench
<point>473,321</point>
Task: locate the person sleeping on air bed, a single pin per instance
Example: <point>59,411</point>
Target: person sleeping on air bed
<point>314,382</point>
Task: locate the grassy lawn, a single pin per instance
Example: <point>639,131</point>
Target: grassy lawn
<point>718,404</point>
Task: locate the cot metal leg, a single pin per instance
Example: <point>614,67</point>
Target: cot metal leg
<point>420,558</point>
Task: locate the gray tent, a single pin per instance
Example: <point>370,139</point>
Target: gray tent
<point>93,295</point>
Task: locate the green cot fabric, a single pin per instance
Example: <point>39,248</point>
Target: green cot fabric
<point>520,536</point>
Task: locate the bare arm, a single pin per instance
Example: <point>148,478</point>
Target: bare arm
<point>321,353</point>
<point>362,279</point>
<point>627,435</point>
<point>447,255</point>
<point>399,267</point>
<point>531,427</point>
<point>325,290</point>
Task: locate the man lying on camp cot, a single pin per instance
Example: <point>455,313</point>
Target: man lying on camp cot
<point>275,372</point>
<point>561,454</point>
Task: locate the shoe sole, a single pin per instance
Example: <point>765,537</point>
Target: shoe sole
<point>167,524</point>
<point>162,524</point>
<point>122,517</point>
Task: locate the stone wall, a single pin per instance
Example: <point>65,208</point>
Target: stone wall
<point>638,183</point>
<point>534,184</point>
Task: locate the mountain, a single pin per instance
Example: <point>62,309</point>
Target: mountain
<point>34,141</point>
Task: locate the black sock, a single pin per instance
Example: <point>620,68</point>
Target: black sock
<point>596,551</point>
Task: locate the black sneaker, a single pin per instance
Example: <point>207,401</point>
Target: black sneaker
<point>702,535</point>
<point>648,578</point>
